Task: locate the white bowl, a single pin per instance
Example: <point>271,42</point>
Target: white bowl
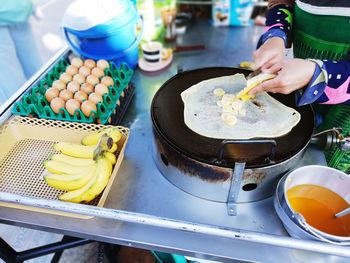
<point>324,176</point>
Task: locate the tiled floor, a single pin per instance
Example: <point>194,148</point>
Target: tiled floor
<point>22,239</point>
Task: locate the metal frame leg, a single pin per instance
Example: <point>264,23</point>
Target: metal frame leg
<point>8,254</point>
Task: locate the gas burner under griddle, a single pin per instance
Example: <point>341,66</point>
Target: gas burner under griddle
<point>231,173</point>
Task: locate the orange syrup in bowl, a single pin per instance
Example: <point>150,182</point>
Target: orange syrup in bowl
<point>318,205</point>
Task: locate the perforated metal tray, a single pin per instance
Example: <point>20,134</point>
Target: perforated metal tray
<point>27,142</point>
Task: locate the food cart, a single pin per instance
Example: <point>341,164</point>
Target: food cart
<point>143,209</point>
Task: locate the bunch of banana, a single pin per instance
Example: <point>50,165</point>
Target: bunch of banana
<point>94,186</point>
<point>80,169</point>
<point>94,138</point>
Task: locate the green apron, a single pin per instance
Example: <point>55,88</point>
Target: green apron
<point>325,37</point>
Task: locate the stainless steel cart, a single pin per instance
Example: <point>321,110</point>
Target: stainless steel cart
<point>145,210</point>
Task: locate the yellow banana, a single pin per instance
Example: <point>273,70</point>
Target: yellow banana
<point>73,196</point>
<point>110,157</point>
<point>103,172</point>
<point>56,167</point>
<point>252,83</point>
<point>72,160</point>
<point>70,182</point>
<point>75,150</point>
<point>94,137</point>
<point>113,149</point>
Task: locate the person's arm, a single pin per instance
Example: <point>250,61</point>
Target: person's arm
<point>273,3</point>
<point>278,21</point>
<point>329,84</point>
<point>277,37</point>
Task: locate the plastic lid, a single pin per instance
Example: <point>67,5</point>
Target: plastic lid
<point>85,14</point>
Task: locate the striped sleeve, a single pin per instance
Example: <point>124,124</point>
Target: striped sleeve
<point>329,84</point>
<point>278,24</point>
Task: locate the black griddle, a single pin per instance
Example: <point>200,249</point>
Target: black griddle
<point>168,120</point>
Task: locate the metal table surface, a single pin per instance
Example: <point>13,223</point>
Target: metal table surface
<point>139,186</point>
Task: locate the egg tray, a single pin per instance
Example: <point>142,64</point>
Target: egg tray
<point>27,142</point>
<point>35,104</point>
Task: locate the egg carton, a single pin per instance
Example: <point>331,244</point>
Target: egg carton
<point>34,103</point>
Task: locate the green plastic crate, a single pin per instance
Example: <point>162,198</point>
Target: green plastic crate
<point>35,104</point>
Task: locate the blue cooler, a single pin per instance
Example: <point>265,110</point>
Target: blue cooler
<point>103,29</point>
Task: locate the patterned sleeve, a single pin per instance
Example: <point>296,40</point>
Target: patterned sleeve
<point>329,84</point>
<point>278,24</point>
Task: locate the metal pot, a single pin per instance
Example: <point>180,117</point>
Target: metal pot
<point>213,182</point>
<point>220,170</point>
<point>295,223</point>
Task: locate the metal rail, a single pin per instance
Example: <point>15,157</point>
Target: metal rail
<point>139,218</point>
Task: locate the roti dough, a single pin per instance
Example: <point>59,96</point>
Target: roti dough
<point>260,117</point>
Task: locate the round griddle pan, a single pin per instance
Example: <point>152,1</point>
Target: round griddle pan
<point>168,120</point>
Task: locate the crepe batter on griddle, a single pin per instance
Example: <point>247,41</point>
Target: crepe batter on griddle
<point>263,116</point>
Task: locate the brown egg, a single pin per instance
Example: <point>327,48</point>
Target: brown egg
<point>56,104</point>
<point>66,94</point>
<point>59,84</point>
<point>65,77</point>
<point>72,105</point>
<point>73,86</point>
<point>102,64</point>
<point>77,62</point>
<point>88,106</point>
<point>107,80</point>
<point>72,70</point>
<point>90,63</point>
<point>87,88</point>
<point>80,96</point>
<point>51,93</point>
<point>97,72</point>
<point>95,98</point>
<point>93,80</point>
<point>101,89</point>
<point>79,78</point>
<point>85,71</point>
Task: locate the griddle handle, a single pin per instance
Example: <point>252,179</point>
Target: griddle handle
<point>273,143</point>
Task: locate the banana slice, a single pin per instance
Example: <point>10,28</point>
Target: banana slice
<point>237,105</point>
<point>219,92</point>
<point>227,99</point>
<point>229,119</point>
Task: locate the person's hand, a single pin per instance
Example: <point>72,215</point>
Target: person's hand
<point>294,74</point>
<point>270,55</point>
